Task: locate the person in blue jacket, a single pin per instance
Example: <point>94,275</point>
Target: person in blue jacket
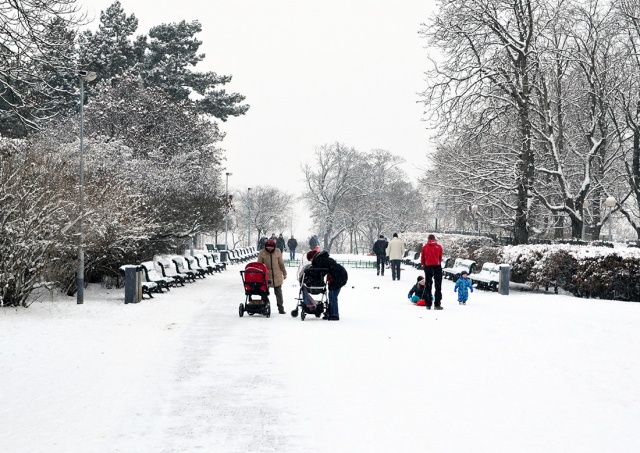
<point>463,286</point>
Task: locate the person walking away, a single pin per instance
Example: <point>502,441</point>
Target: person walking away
<point>463,286</point>
<point>431,260</point>
<point>418,291</point>
<point>337,277</point>
<point>395,251</point>
<point>271,257</point>
<point>261,242</point>
<point>314,244</point>
<point>280,243</point>
<point>292,244</point>
<point>380,250</point>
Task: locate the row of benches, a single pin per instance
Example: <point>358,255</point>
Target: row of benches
<point>239,255</point>
<point>176,270</point>
<point>488,277</point>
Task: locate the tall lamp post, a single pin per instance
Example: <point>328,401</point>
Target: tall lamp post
<point>474,211</point>
<point>610,202</point>
<point>226,215</point>
<point>249,217</point>
<point>83,76</point>
<point>585,206</point>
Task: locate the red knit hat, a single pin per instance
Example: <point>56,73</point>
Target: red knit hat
<point>311,254</point>
<point>270,243</point>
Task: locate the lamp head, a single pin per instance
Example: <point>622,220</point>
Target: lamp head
<point>87,76</point>
<point>610,202</point>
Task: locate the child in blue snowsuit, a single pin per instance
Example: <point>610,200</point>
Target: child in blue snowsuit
<point>463,286</point>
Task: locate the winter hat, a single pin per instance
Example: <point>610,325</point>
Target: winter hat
<point>382,236</point>
<point>432,237</point>
<point>420,277</point>
<point>395,235</point>
<point>270,243</point>
<point>464,273</point>
<point>311,254</point>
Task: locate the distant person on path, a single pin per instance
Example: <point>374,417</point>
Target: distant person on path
<point>280,243</point>
<point>314,244</point>
<point>431,260</point>
<point>463,286</point>
<point>261,242</point>
<point>292,244</point>
<point>272,258</point>
<point>380,250</point>
<point>395,251</point>
<point>337,277</point>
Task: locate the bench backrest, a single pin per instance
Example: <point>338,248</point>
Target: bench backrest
<point>168,268</point>
<point>490,268</point>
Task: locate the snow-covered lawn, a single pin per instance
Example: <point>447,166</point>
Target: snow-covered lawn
<point>528,372</point>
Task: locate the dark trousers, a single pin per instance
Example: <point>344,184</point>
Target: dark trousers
<point>433,276</point>
<point>380,264</point>
<point>395,269</point>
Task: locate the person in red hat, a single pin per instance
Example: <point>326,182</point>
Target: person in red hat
<point>271,257</point>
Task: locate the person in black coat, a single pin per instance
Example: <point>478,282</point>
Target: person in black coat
<point>292,244</point>
<point>380,249</point>
<point>337,277</point>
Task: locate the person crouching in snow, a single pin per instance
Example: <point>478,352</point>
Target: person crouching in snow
<point>463,286</point>
<point>418,291</point>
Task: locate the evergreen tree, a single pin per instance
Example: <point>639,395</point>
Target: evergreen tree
<point>172,55</point>
<point>110,52</point>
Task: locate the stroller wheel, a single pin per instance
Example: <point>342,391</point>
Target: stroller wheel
<point>302,315</point>
<point>241,310</point>
<point>294,313</point>
<point>318,315</point>
<point>267,310</point>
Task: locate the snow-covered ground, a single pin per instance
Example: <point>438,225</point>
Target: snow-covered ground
<point>527,372</point>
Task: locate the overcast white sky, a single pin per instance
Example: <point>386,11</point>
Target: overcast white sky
<point>313,72</point>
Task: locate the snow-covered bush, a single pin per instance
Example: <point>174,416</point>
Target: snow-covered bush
<point>584,271</point>
<point>36,218</point>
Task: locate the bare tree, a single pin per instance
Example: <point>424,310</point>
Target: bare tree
<point>487,49</point>
<point>34,46</point>
<point>332,180</point>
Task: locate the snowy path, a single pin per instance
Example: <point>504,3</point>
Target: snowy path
<point>182,372</point>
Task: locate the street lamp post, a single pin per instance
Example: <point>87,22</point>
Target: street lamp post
<point>474,211</point>
<point>226,215</point>
<point>249,217</point>
<point>83,76</point>
<point>585,206</point>
<point>610,202</point>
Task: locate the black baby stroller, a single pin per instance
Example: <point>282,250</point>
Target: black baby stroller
<point>313,283</point>
<point>255,281</point>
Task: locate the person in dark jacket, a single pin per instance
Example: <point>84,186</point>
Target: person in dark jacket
<point>314,243</point>
<point>261,242</point>
<point>380,250</point>
<point>292,244</point>
<point>431,260</point>
<point>280,243</point>
<point>337,277</point>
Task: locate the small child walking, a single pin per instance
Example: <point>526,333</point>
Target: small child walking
<point>462,287</point>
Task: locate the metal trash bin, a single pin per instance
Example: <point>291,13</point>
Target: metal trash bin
<point>505,277</point>
<point>132,284</point>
